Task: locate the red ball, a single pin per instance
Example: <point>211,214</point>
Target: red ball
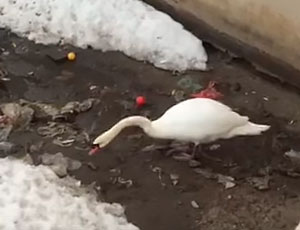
<point>140,101</point>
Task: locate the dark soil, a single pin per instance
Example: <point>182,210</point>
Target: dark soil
<point>152,203</point>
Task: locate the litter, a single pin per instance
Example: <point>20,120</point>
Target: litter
<point>59,163</point>
<point>209,92</point>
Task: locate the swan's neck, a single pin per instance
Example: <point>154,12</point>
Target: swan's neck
<point>139,121</point>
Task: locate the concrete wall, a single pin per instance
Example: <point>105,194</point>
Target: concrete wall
<point>272,26</point>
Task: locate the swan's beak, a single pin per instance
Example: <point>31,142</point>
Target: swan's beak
<point>94,150</point>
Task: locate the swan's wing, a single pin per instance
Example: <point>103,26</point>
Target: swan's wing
<point>198,119</point>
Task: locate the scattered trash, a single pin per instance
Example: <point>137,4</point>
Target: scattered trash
<point>294,156</point>
<point>189,85</point>
<point>153,147</point>
<point>3,73</point>
<point>63,143</point>
<point>71,56</point>
<point>209,92</point>
<point>194,163</point>
<point>122,181</point>
<point>195,204</point>
<point>7,148</point>
<point>16,115</point>
<point>92,166</point>
<point>260,183</point>
<point>174,178</point>
<point>158,170</point>
<point>266,98</point>
<point>74,108</point>
<point>65,135</point>
<point>48,111</point>
<point>140,101</point>
<point>214,147</point>
<point>182,157</point>
<point>179,95</point>
<point>59,163</point>
<point>227,181</point>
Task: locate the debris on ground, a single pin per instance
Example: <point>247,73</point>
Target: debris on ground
<point>179,95</point>
<point>49,111</point>
<point>182,157</point>
<point>159,172</point>
<point>59,163</point>
<point>120,180</point>
<point>194,163</point>
<point>65,135</point>
<point>174,178</point>
<point>195,204</point>
<point>3,73</point>
<point>227,181</point>
<point>75,107</point>
<point>92,166</point>
<point>260,183</point>
<point>16,115</point>
<point>153,147</point>
<point>42,111</point>
<point>209,92</point>
<point>214,147</point>
<point>7,148</point>
<point>187,84</point>
<point>294,157</point>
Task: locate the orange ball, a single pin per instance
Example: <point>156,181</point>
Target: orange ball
<point>71,56</point>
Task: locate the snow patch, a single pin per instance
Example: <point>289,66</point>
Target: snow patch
<point>298,227</point>
<point>129,26</point>
<point>33,197</point>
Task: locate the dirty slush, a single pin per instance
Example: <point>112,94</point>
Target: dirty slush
<point>51,109</point>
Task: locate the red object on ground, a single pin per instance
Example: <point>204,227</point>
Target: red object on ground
<point>209,92</point>
<point>140,101</point>
<point>94,150</point>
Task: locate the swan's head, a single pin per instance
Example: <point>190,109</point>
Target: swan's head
<point>100,142</point>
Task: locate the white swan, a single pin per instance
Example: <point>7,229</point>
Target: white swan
<point>197,120</point>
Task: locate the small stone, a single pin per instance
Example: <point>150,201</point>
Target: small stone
<point>92,166</point>
<point>194,163</point>
<point>195,204</point>
<point>260,183</point>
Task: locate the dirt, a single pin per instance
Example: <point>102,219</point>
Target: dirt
<point>153,201</point>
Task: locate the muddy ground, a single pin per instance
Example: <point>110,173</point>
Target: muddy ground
<point>153,201</point>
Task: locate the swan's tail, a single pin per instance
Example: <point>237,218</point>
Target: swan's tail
<point>250,129</point>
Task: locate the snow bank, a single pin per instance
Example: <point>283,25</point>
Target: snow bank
<point>35,198</point>
<point>129,26</point>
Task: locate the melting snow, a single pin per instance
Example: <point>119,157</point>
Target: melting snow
<point>129,26</point>
<point>33,197</point>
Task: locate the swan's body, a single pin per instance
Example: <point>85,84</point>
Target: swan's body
<point>197,120</point>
